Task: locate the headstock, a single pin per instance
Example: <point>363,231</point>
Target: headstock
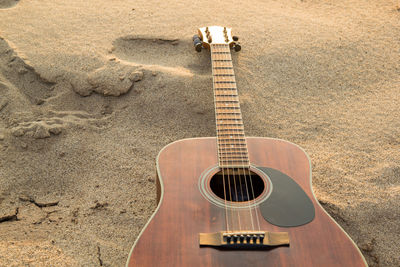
<point>215,35</point>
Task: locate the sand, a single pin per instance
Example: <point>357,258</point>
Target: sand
<point>90,91</point>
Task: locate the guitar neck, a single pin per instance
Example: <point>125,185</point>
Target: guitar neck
<point>232,146</point>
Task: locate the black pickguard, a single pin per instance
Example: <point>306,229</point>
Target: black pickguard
<point>288,205</point>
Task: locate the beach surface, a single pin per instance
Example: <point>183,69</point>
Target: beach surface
<point>91,91</point>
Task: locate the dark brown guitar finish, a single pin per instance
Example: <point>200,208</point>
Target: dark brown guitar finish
<point>171,237</point>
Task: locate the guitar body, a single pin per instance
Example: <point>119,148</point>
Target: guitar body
<point>171,237</point>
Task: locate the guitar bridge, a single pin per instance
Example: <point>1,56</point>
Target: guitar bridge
<point>244,239</point>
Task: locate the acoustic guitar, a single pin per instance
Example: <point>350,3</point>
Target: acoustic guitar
<point>232,200</point>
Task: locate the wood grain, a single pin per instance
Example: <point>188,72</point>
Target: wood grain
<point>171,237</point>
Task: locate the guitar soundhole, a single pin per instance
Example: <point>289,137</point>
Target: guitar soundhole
<point>240,186</point>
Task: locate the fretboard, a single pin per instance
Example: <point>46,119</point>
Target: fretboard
<point>232,146</point>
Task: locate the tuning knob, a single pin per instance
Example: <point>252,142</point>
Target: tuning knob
<point>235,38</point>
<point>198,44</point>
<point>237,47</point>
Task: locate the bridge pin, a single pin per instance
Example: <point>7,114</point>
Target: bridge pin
<point>235,238</point>
<point>248,238</point>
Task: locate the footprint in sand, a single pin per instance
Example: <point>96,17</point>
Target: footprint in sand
<point>23,76</point>
<point>8,3</point>
<point>131,57</point>
<point>24,93</point>
<point>171,55</point>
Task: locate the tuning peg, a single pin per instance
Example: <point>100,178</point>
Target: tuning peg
<point>198,44</point>
<point>235,38</point>
<point>237,47</point>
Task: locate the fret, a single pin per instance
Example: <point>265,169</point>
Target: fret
<point>227,101</point>
<point>234,166</point>
<point>229,124</point>
<point>223,68</point>
<point>241,149</point>
<point>225,89</point>
<point>223,132</point>
<point>228,113</point>
<point>230,130</point>
<point>225,158</point>
<point>230,140</point>
<point>227,107</point>
<point>221,61</point>
<point>232,153</point>
<point>224,78</point>
<point>228,95</point>
<point>234,161</point>
<point>232,146</point>
<point>220,143</point>
<point>233,134</point>
<point>240,158</point>
<point>225,94</point>
<point>237,162</point>
<point>224,82</point>
<point>222,52</point>
<point>222,118</point>
<point>227,74</point>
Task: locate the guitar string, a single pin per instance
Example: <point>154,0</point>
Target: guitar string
<point>254,201</point>
<point>218,56</point>
<point>251,185</point>
<point>230,161</point>
<point>251,182</point>
<point>213,57</point>
<point>236,142</point>
<point>243,159</point>
<point>218,147</point>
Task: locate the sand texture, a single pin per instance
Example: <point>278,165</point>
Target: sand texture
<point>90,91</point>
